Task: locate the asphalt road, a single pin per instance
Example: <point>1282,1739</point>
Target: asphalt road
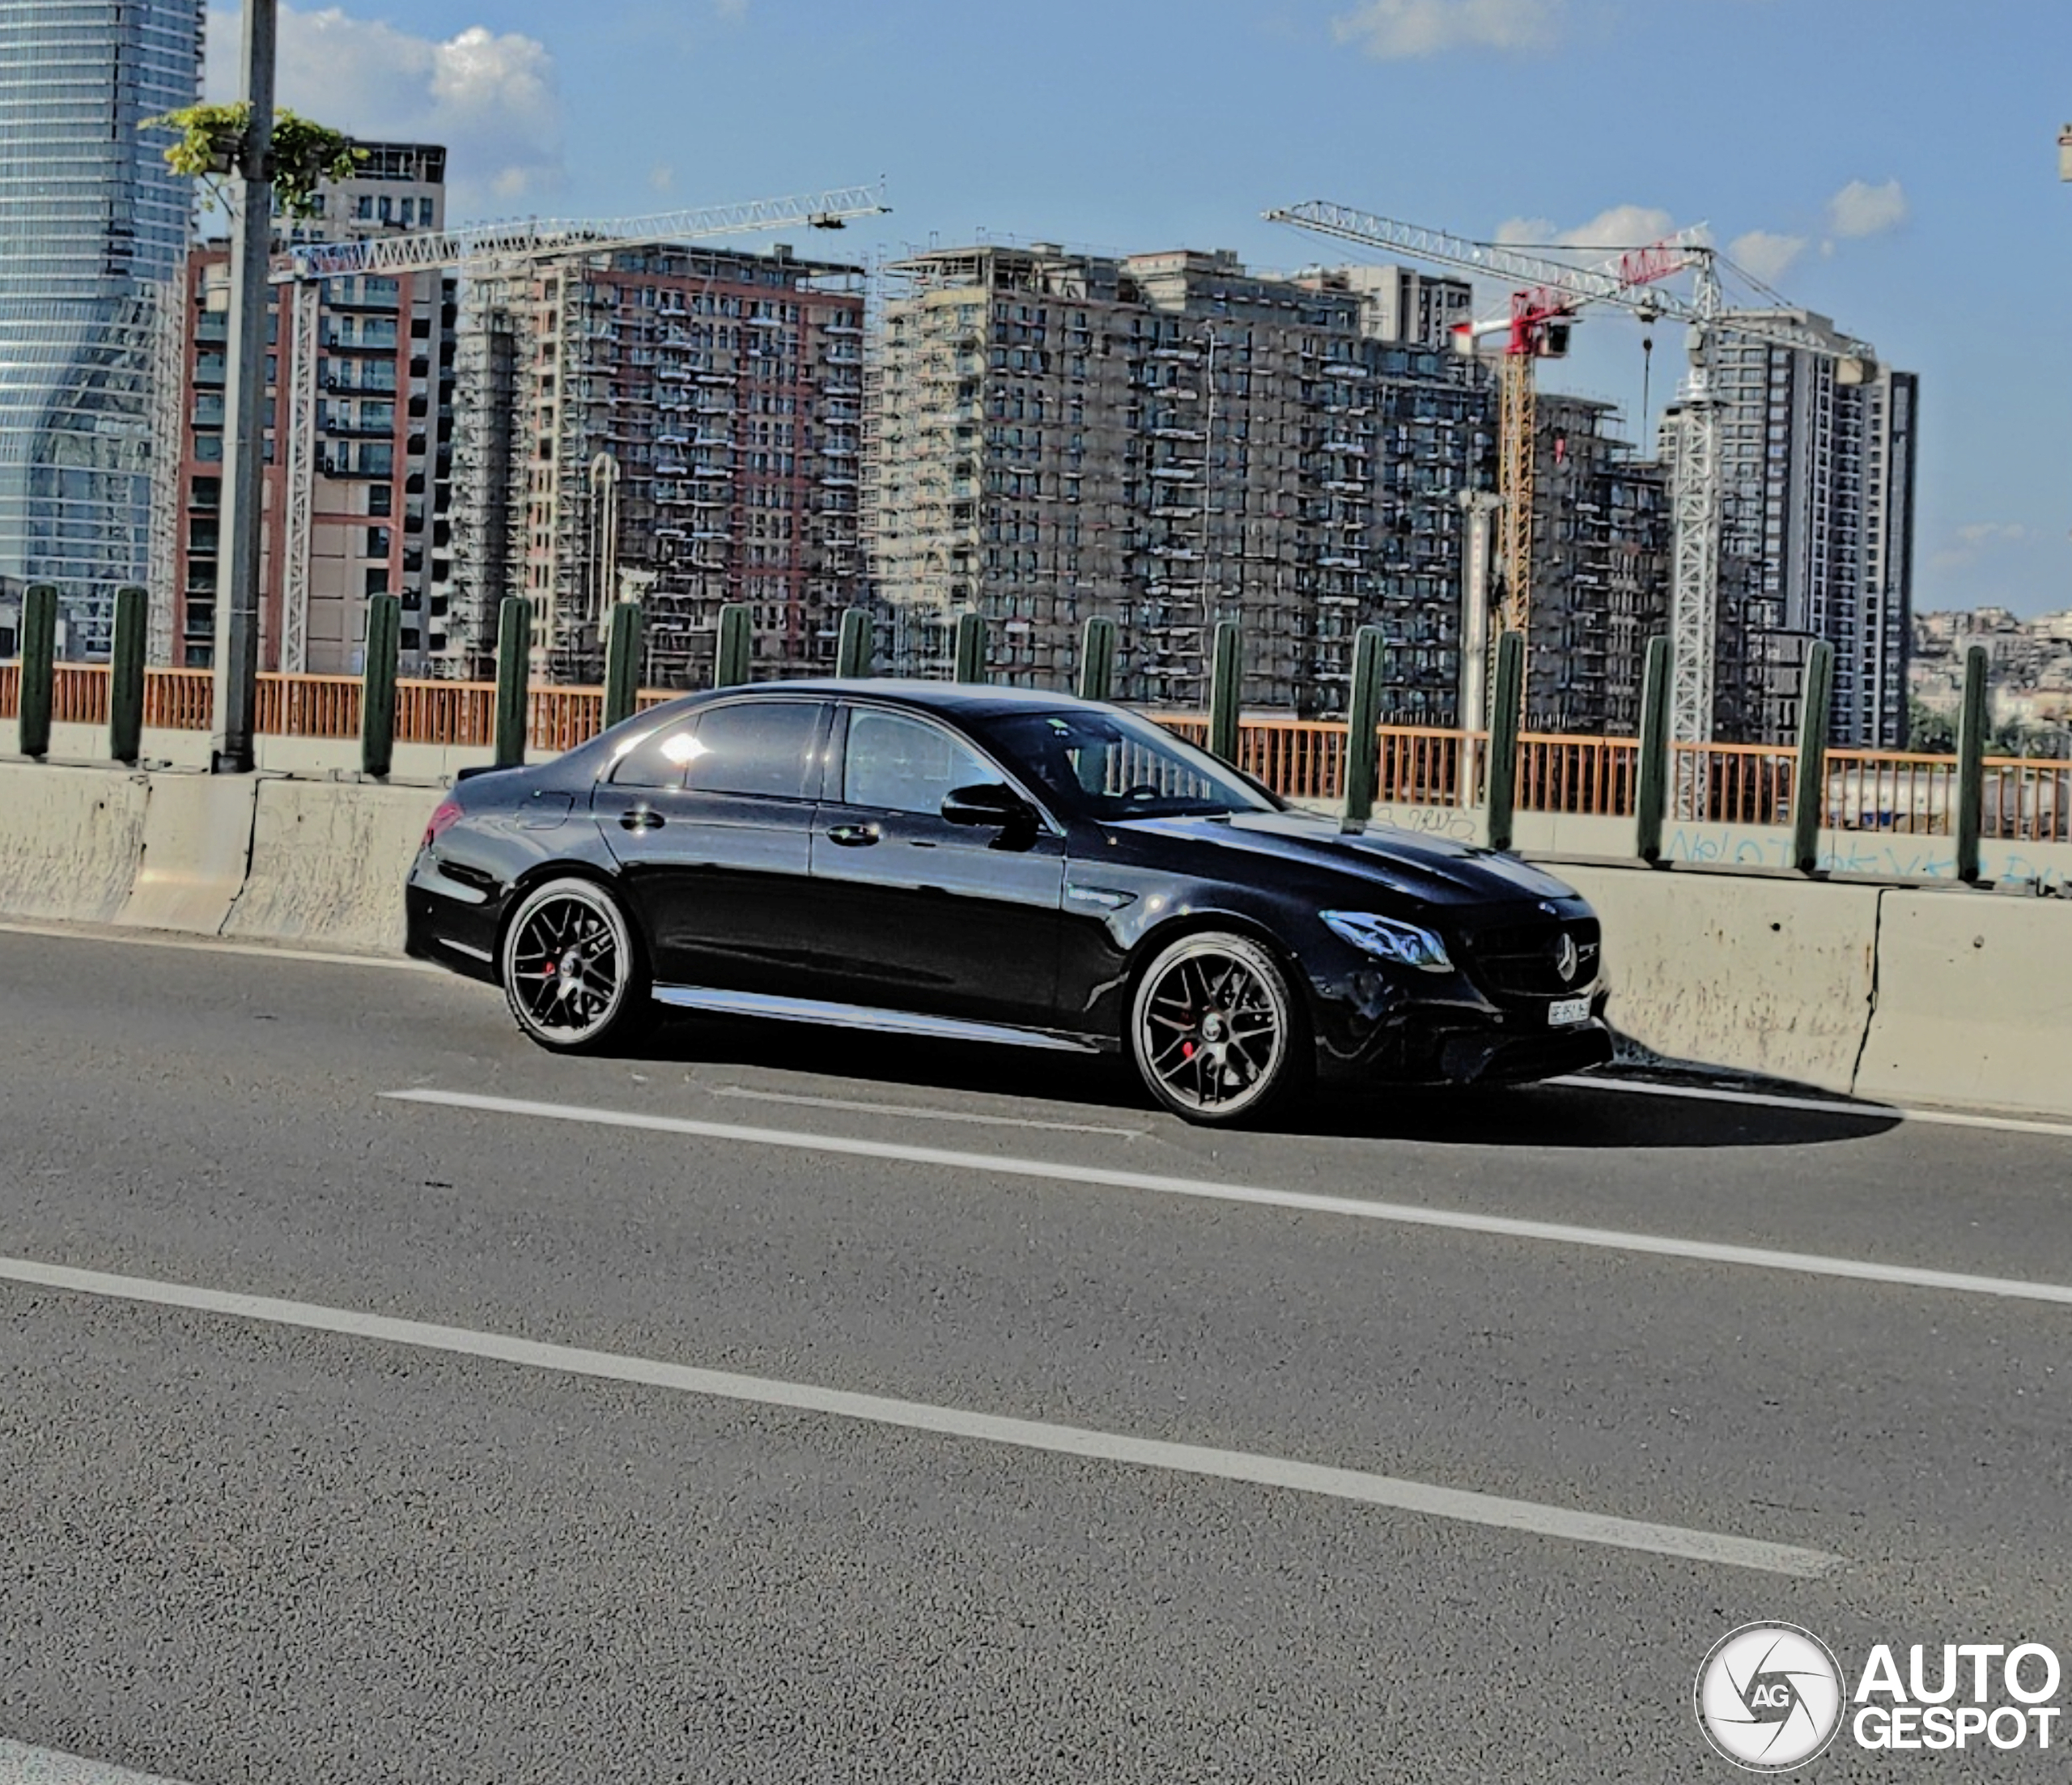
<point>347,1438</point>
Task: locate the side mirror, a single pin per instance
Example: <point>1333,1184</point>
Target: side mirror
<point>991,804</point>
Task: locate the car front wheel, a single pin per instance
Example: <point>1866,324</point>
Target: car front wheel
<point>571,970</point>
<point>1215,1031</point>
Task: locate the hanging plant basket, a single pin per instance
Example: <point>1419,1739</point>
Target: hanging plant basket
<point>301,157</point>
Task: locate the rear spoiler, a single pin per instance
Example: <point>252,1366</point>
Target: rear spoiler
<point>478,768</point>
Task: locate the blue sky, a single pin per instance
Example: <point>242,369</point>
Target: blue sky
<point>1890,162</point>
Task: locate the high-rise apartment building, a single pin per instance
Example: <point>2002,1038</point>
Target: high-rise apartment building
<point>1816,537</point>
<point>678,425</point>
<point>1168,440</point>
<point>361,510</point>
<point>92,225</point>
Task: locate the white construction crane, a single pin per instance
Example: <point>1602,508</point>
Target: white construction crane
<point>306,266</point>
<point>1699,497</point>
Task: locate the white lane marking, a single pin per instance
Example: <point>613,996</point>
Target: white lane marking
<point>911,1109</point>
<point>20,1765</point>
<point>1340,1484</point>
<point>213,945</point>
<point>1408,1214</point>
<point>1639,1087</point>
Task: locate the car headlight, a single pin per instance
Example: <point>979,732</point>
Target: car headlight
<point>1391,940</point>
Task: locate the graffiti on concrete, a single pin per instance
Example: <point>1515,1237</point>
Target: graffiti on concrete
<point>1845,852</point>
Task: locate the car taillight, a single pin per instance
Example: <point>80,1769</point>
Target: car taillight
<point>442,820</point>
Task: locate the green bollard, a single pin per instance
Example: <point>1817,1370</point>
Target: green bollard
<point>1504,704</point>
<point>1362,721</point>
<point>1097,660</point>
<point>1971,725</point>
<point>39,657</point>
<point>514,656</point>
<point>732,657</point>
<point>125,676</point>
<point>1225,691</point>
<point>852,650</point>
<point>970,648</point>
<point>377,686</point>
<point>1651,796</point>
<point>1809,784</point>
<point>623,663</point>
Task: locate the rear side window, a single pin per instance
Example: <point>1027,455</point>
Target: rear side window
<point>755,746</point>
<point>659,759</point>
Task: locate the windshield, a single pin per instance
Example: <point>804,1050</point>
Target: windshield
<point>1096,764</point>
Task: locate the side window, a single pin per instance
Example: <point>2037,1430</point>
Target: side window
<point>901,765</point>
<point>659,758</point>
<point>755,746</point>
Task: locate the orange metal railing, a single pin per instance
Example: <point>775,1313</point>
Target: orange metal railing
<point>2025,799</point>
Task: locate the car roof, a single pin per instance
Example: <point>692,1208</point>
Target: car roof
<point>948,697</point>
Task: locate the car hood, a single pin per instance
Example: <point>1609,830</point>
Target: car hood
<point>1436,870</point>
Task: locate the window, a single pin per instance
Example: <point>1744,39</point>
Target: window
<point>902,765</point>
<point>755,746</point>
<point>659,759</point>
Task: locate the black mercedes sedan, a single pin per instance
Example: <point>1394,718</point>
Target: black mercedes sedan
<point>1000,865</point>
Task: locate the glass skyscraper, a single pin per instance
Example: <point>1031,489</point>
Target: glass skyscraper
<point>92,225</point>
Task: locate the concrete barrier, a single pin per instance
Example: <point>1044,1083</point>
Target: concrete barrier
<point>1974,1002</point>
<point>1768,975</point>
<point>197,840</point>
<point>328,863</point>
<point>69,838</point>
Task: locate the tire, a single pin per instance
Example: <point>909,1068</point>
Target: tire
<point>1215,1029</point>
<point>573,972</point>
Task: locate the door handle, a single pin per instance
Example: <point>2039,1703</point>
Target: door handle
<point>852,836</point>
<point>641,817</point>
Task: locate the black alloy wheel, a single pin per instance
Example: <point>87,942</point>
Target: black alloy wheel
<point>1214,1029</point>
<point>571,971</point>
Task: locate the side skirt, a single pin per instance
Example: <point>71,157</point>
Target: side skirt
<point>864,1016</point>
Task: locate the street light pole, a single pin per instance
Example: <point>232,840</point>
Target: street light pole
<point>245,409</point>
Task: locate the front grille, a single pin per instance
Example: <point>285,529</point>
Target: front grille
<point>1518,960</point>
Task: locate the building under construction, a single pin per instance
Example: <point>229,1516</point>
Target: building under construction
<point>1168,440</point>
<point>678,425</point>
<point>366,514</point>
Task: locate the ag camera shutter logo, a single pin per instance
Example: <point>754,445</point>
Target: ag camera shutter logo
<point>1769,1696</point>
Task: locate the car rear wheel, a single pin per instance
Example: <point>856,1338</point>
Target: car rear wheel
<point>572,973</point>
<point>1215,1031</point>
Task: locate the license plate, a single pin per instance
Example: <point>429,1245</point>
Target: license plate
<point>1563,1011</point>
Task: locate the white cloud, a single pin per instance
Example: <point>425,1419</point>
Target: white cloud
<point>1767,255</point>
<point>490,98</point>
<point>1974,541</point>
<point>1860,209</point>
<point>1622,226</point>
<point>1393,30</point>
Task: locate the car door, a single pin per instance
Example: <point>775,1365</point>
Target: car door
<point>710,819</point>
<point>918,914</point>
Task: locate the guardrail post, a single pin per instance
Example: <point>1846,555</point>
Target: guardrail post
<point>1972,725</point>
<point>852,650</point>
<point>1362,741</point>
<point>38,659</point>
<point>125,676</point>
<point>734,655</point>
<point>1225,690</point>
<point>514,656</point>
<point>1808,785</point>
<point>1651,795</point>
<point>623,663</point>
<point>377,686</point>
<point>1505,700</point>
<point>970,648</point>
<point>1097,659</point>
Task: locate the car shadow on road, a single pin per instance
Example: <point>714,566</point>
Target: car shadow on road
<point>1579,1115</point>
